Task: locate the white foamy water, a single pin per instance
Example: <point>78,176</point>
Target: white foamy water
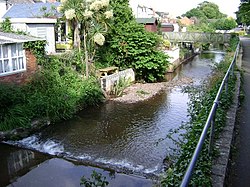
<point>50,146</point>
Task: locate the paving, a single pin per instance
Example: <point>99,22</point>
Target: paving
<point>240,174</point>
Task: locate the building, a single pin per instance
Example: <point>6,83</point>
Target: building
<point>150,24</point>
<point>37,19</point>
<point>17,64</point>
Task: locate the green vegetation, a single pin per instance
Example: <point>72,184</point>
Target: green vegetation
<point>6,25</point>
<point>243,14</point>
<point>60,88</point>
<point>120,86</point>
<point>209,18</point>
<point>56,92</point>
<point>201,100</point>
<point>130,46</point>
<point>97,180</point>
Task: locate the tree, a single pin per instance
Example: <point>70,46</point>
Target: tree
<point>243,14</point>
<point>88,19</point>
<point>225,24</point>
<point>206,10</point>
<point>129,45</point>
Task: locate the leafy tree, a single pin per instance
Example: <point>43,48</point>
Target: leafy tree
<point>206,10</point>
<point>129,45</point>
<point>225,24</point>
<point>194,12</point>
<point>243,14</point>
<point>91,18</point>
<point>202,26</point>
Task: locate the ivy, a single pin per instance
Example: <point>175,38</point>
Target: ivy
<point>37,47</point>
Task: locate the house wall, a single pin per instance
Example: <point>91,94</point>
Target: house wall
<point>23,77</point>
<point>167,29</point>
<point>39,27</point>
<point>46,31</point>
<point>2,8</point>
<point>151,28</point>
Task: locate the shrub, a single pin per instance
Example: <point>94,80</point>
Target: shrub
<point>57,92</point>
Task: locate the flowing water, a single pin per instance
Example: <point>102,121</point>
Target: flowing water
<point>120,138</point>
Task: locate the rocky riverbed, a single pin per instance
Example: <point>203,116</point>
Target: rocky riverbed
<point>142,91</point>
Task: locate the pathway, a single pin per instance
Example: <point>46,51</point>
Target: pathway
<point>241,169</point>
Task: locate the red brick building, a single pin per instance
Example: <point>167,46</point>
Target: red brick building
<point>17,65</point>
<point>150,24</point>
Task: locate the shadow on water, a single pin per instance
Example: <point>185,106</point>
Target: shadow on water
<point>118,137</point>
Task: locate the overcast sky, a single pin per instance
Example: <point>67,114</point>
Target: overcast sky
<point>179,7</point>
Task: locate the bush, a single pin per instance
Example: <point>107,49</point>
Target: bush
<point>133,47</point>
<point>57,92</point>
<point>129,45</point>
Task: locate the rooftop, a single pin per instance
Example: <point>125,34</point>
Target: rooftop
<point>6,38</point>
<point>32,10</point>
<point>146,20</point>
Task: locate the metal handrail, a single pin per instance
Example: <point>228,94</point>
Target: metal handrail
<point>209,122</point>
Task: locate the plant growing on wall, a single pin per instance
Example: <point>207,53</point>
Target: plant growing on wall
<point>89,21</point>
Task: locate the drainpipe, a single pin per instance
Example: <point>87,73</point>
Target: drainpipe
<point>6,3</point>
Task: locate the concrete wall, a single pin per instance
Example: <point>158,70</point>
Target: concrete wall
<point>109,81</point>
<point>174,55</point>
<point>22,77</point>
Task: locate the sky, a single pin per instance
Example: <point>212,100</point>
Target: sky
<point>179,7</point>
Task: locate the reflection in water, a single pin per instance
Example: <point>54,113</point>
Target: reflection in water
<point>25,168</point>
<point>124,137</point>
<point>16,162</point>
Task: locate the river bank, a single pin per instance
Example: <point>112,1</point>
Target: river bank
<point>143,91</point>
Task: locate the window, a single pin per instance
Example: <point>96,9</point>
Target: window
<point>12,59</point>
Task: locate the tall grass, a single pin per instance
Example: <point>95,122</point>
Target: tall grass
<point>56,92</point>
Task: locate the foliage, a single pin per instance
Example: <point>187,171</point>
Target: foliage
<point>119,87</point>
<point>234,40</point>
<point>201,26</point>
<point>130,46</point>
<point>97,180</point>
<point>209,18</point>
<point>201,100</point>
<point>37,47</point>
<point>243,14</point>
<point>56,92</point>
<point>207,10</point>
<point>6,25</point>
<point>92,17</point>
<point>224,24</point>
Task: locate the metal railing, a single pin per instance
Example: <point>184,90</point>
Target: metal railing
<point>210,122</point>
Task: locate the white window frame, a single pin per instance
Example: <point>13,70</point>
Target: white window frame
<point>13,60</point>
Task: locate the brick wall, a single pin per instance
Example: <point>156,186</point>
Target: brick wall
<point>23,77</point>
<point>151,27</point>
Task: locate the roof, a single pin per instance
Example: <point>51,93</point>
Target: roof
<point>32,10</point>
<point>166,25</point>
<point>6,38</point>
<point>146,20</point>
<point>12,2</point>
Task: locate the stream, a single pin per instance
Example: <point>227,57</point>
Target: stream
<point>126,143</point>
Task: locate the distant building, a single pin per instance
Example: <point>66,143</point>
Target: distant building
<point>150,24</point>
<point>167,27</point>
<point>186,21</point>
